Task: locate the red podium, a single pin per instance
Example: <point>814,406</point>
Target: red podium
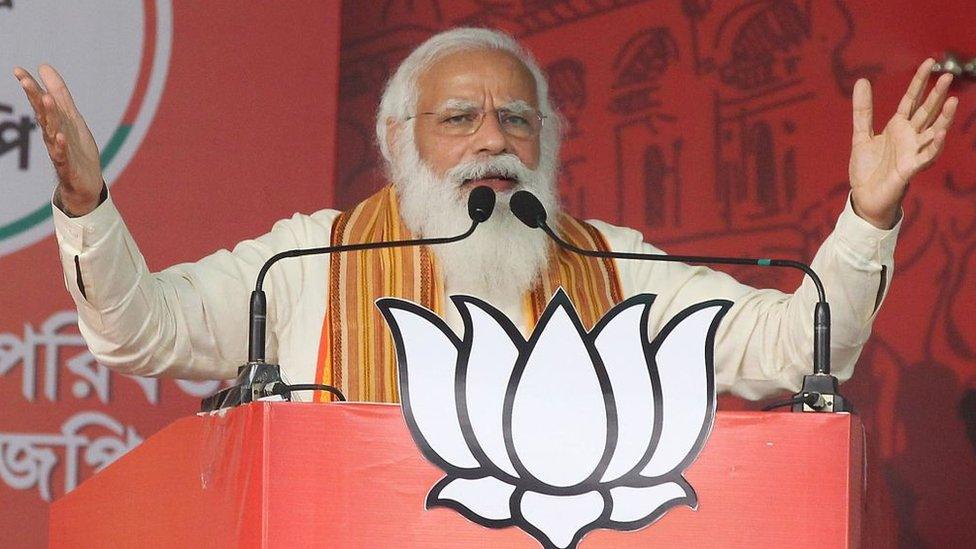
<point>349,475</point>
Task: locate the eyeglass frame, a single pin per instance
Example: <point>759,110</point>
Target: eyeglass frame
<point>483,113</point>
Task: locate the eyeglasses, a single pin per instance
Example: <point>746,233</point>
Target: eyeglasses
<point>457,122</point>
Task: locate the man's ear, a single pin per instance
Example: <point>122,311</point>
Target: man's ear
<point>392,132</point>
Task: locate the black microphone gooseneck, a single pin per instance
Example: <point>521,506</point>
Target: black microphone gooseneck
<point>257,378</point>
<point>820,390</point>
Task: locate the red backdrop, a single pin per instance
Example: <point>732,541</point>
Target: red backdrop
<point>724,128</point>
<point>714,127</point>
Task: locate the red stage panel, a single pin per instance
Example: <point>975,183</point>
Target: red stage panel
<point>348,475</point>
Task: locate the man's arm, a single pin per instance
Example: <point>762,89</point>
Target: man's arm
<point>130,321</point>
<point>136,322</point>
<point>187,321</point>
<point>765,342</point>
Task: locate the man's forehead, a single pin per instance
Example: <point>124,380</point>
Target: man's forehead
<point>473,76</point>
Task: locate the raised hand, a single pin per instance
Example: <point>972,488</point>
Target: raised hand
<point>882,164</point>
<point>69,141</point>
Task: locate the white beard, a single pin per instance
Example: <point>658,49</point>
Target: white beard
<point>503,259</point>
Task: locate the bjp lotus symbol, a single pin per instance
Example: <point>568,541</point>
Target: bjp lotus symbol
<point>565,432</point>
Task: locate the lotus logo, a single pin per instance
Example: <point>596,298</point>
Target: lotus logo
<point>565,432</point>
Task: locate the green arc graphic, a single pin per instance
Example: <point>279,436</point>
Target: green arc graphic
<point>43,213</point>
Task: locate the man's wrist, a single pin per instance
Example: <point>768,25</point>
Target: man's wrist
<point>885,221</point>
<point>74,207</point>
<point>885,224</point>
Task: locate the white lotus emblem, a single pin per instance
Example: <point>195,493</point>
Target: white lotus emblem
<point>568,431</point>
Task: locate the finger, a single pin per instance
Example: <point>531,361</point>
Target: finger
<point>930,109</point>
<point>863,111</point>
<point>930,153</point>
<point>56,87</point>
<point>21,74</point>
<point>33,91</point>
<point>926,75</point>
<point>58,151</point>
<point>925,138</point>
<point>947,115</point>
<point>908,102</point>
<point>53,119</point>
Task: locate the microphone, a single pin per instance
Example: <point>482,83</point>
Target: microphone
<point>481,202</point>
<point>257,379</point>
<point>819,393</point>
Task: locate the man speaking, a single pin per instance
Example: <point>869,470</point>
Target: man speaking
<point>468,107</point>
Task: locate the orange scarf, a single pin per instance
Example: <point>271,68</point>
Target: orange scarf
<point>356,351</point>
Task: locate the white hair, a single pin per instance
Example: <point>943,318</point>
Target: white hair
<point>399,100</point>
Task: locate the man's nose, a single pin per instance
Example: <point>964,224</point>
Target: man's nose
<point>490,138</point>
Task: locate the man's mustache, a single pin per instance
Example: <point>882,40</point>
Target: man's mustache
<point>506,166</point>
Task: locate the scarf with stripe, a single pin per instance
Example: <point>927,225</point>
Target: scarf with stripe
<point>356,352</point>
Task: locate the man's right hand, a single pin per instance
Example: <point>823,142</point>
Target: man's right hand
<point>69,141</point>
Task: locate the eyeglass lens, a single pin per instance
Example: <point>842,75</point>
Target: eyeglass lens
<point>522,124</point>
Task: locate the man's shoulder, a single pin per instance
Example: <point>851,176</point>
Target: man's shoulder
<point>621,239</point>
<point>325,217</point>
<point>308,228</point>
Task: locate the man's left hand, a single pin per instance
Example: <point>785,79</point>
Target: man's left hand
<point>882,164</point>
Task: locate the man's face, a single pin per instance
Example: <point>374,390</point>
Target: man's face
<point>488,80</point>
<point>435,166</point>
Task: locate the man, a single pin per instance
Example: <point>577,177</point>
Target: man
<point>468,107</point>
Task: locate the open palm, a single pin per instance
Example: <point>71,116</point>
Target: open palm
<point>882,164</point>
<point>68,139</point>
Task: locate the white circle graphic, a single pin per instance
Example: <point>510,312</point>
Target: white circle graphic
<point>114,57</point>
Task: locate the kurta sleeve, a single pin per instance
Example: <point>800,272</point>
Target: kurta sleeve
<point>187,321</point>
<point>765,342</point>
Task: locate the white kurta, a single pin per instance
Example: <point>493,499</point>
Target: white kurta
<point>190,320</point>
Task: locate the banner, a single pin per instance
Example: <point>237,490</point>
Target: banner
<point>213,120</point>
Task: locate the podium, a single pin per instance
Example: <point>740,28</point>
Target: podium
<point>349,475</point>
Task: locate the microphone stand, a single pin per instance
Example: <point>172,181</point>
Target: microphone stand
<point>820,390</point>
<point>258,379</point>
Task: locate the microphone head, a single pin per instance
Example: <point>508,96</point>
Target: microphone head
<point>527,208</point>
<point>481,202</point>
